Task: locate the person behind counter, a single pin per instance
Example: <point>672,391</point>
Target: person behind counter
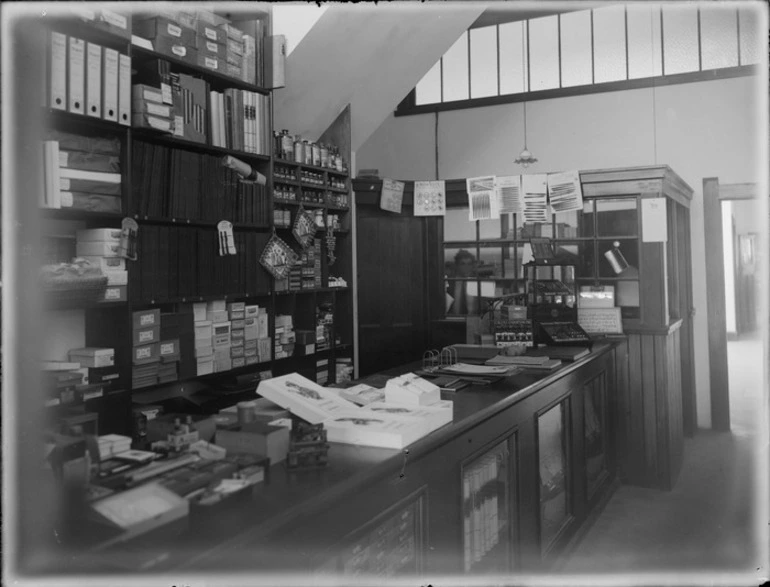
<point>459,301</point>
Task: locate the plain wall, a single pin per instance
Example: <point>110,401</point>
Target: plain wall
<point>729,261</point>
<point>699,129</point>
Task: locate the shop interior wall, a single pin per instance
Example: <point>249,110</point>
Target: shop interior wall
<point>700,129</point>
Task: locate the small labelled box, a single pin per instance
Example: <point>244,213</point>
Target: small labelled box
<point>237,315</point>
<point>216,316</point>
<point>236,351</point>
<point>250,332</point>
<point>144,120</point>
<point>103,375</point>
<point>250,344</point>
<point>205,366</point>
<point>262,325</point>
<point>216,306</point>
<point>148,353</point>
<point>210,32</point>
<point>238,334</point>
<point>233,34</point>
<point>257,438</point>
<point>239,362</point>
<point>212,63</point>
<point>199,312</point>
<point>93,357</point>
<point>169,350</point>
<point>237,307</point>
<point>222,364</point>
<point>98,249</point>
<point>182,52</point>
<point>146,335</point>
<point>203,352</point>
<point>231,70</point>
<point>99,235</point>
<point>251,311</point>
<point>114,293</point>
<point>107,264</point>
<point>141,93</point>
<point>203,331</point>
<point>252,360</point>
<point>146,318</point>
<point>116,278</point>
<point>237,342</point>
<point>208,48</point>
<point>250,352</point>
<point>165,30</point>
<point>238,324</point>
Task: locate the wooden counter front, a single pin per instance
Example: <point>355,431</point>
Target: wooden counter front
<point>541,443</point>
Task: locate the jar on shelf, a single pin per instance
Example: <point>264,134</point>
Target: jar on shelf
<point>287,146</point>
<point>316,154</point>
<point>299,154</point>
<point>324,155</point>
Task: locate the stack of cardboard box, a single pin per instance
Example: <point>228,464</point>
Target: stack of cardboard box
<point>101,247</point>
<point>146,350</point>
<point>284,336</point>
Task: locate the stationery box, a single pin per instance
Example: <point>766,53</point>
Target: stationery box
<point>239,362</point>
<point>237,315</point>
<point>145,93</point>
<point>165,30</point>
<point>169,350</point>
<point>199,311</point>
<point>103,374</point>
<point>99,235</point>
<point>146,318</point>
<point>216,316</point>
<point>237,342</point>
<point>251,311</point>
<point>236,307</point>
<point>238,334</point>
<point>216,306</point>
<point>208,31</point>
<point>117,278</point>
<point>236,351</point>
<point>207,48</point>
<point>252,360</point>
<point>231,70</point>
<point>212,63</point>
<point>93,357</point>
<point>205,366</point>
<point>98,249</point>
<point>221,329</point>
<point>203,331</point>
<point>114,293</point>
<point>91,202</point>
<point>204,352</point>
<point>250,344</point>
<point>233,34</point>
<point>146,335</point>
<point>256,438</point>
<point>148,353</point>
<point>144,120</point>
<point>238,324</point>
<point>250,352</point>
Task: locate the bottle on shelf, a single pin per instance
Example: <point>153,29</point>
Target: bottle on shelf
<point>299,154</point>
<point>316,155</point>
<point>324,155</point>
<point>287,146</point>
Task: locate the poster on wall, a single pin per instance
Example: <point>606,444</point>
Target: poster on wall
<point>508,190</point>
<point>392,195</point>
<point>654,220</point>
<point>565,192</point>
<point>535,195</point>
<point>482,198</point>
<point>429,198</point>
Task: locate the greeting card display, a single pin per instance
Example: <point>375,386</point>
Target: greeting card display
<point>304,228</point>
<point>278,257</point>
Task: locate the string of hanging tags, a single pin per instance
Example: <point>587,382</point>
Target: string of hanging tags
<point>226,238</point>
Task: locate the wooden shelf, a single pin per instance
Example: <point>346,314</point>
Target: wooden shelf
<point>52,303</point>
<point>310,167</point>
<point>84,29</point>
<point>293,182</point>
<point>220,80</point>
<point>297,203</point>
<point>193,299</point>
<point>77,214</point>
<point>72,121</point>
<point>172,141</point>
<point>198,223</point>
<point>338,190</point>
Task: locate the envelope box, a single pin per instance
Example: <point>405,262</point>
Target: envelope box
<point>250,352</point>
<point>237,315</point>
<point>212,63</point>
<point>220,329</point>
<point>238,334</point>
<point>257,438</point>
<point>146,318</point>
<point>99,235</point>
<point>203,330</point>
<point>236,307</point>
<point>252,360</point>
<point>146,335</point>
<point>216,316</point>
<point>98,249</point>
<point>93,357</point>
<point>107,264</point>
<point>239,342</point>
<point>250,344</point>
<point>238,324</point>
<point>251,311</point>
<point>114,293</point>
<point>169,46</point>
<point>148,353</point>
<point>236,351</point>
<point>161,27</point>
<point>169,348</point>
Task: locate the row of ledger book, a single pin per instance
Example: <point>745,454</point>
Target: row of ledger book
<point>407,409</point>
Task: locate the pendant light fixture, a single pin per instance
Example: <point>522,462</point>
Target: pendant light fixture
<point>525,158</point>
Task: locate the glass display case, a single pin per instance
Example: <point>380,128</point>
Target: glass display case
<point>486,495</point>
<point>555,492</point>
<point>595,433</point>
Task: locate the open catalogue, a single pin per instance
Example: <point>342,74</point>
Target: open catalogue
<point>380,424</point>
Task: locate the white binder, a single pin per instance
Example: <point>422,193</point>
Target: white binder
<point>110,85</point>
<point>94,80</point>
<point>77,75</point>
<point>58,72</point>
<point>124,90</point>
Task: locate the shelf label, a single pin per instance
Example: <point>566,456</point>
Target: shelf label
<point>116,20</point>
<point>174,30</point>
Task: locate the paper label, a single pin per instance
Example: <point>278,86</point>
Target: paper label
<point>166,97</point>
<point>143,353</point>
<point>508,190</point>
<point>211,34</point>
<point>482,199</point>
<point>66,199</point>
<point>114,19</point>
<point>179,50</point>
<point>63,158</point>
<point>147,320</point>
<point>535,193</point>
<point>112,293</point>
<point>146,336</point>
<point>179,126</point>
<point>654,220</point>
<point>174,30</point>
<point>392,195</point>
<point>212,47</point>
<point>211,62</point>
<point>167,349</point>
<point>565,192</point>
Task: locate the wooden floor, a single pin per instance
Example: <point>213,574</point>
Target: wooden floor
<point>707,523</point>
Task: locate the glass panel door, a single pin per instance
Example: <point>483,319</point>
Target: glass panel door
<point>595,432</point>
<point>486,511</point>
<point>555,499</point>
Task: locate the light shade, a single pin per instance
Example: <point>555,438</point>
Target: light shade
<point>525,158</point>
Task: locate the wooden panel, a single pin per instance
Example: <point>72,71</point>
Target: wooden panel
<point>649,410</point>
<point>689,407</point>
<point>662,416</point>
<point>634,460</point>
<point>615,188</point>
<point>674,407</point>
<point>738,191</point>
<point>619,405</point>
<point>715,293</point>
<point>653,292</point>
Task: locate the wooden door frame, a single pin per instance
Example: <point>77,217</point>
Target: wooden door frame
<point>713,196</point>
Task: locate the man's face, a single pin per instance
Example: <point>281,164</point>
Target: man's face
<point>465,267</point>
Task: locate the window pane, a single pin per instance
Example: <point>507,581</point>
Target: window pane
<point>544,53</point>
<point>484,62</point>
<point>513,62</point>
<point>616,217</point>
<point>609,44</point>
<point>456,70</point>
<point>680,39</point>
<point>576,48</point>
<point>719,37</point>
<point>644,58</point>
<point>554,472</point>
<point>490,229</point>
<point>490,262</point>
<point>750,19</point>
<point>428,91</point>
<point>457,227</point>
